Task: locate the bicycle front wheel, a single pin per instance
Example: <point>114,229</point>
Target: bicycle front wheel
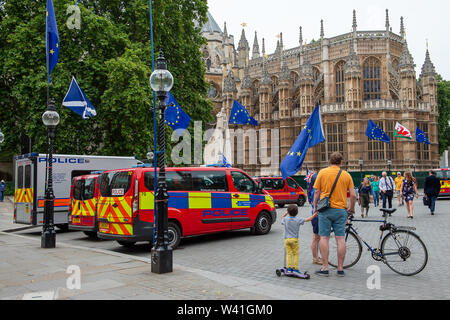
<point>353,251</point>
<point>404,252</point>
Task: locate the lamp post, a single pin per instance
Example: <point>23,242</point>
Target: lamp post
<point>161,82</point>
<point>361,163</point>
<point>50,119</point>
<point>414,166</point>
<point>2,137</point>
<point>389,166</point>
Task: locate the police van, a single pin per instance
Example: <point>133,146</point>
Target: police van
<point>84,194</point>
<point>30,177</point>
<point>201,201</point>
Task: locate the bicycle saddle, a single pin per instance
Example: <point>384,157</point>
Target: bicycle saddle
<point>388,211</point>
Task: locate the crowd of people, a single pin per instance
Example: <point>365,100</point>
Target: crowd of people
<point>333,197</point>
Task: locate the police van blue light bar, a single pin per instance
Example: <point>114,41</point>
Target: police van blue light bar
<point>97,172</point>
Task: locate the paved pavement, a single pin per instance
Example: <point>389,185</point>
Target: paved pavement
<point>233,265</point>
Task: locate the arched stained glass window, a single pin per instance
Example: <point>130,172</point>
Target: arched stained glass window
<point>340,89</point>
<point>372,79</point>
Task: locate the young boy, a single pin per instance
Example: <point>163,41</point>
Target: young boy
<point>292,225</point>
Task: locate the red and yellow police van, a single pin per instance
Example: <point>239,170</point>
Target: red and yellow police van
<point>84,193</point>
<point>283,191</point>
<point>443,175</point>
<point>201,201</point>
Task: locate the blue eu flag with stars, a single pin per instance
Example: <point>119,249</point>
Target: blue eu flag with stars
<point>51,39</point>
<point>311,135</point>
<point>176,118</point>
<point>421,136</point>
<point>240,115</point>
<point>375,133</point>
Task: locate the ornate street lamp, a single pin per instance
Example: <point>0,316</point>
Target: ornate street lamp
<point>361,163</point>
<point>50,119</point>
<point>389,166</point>
<point>414,166</point>
<point>2,137</point>
<point>161,82</point>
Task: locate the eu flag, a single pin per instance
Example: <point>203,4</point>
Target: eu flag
<point>375,133</point>
<point>240,115</point>
<point>421,136</point>
<point>51,39</point>
<point>311,135</point>
<point>176,118</point>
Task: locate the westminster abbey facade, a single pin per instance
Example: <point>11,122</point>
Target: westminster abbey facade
<point>356,77</point>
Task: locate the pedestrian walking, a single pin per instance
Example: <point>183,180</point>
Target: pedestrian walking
<point>387,190</point>
<point>376,191</point>
<point>365,196</point>
<point>292,225</point>
<point>314,222</point>
<point>432,189</point>
<point>398,183</point>
<point>409,190</point>
<point>331,187</point>
<point>2,190</point>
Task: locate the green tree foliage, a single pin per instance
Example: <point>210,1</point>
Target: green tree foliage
<point>443,89</point>
<point>110,56</point>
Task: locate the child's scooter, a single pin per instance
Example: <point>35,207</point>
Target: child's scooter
<point>284,271</point>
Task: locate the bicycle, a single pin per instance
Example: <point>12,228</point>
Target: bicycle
<point>400,248</point>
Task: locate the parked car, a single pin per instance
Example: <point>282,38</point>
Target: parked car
<point>283,191</point>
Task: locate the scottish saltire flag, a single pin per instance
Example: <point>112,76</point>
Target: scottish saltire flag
<point>51,39</point>
<point>77,101</point>
<point>176,118</point>
<point>240,115</point>
<point>421,136</point>
<point>311,135</point>
<point>375,133</point>
<point>225,162</point>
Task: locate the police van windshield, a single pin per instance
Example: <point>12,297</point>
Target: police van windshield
<point>115,184</point>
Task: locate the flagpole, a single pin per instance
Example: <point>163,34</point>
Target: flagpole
<point>155,146</point>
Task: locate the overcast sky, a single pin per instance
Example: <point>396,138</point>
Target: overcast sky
<point>424,19</point>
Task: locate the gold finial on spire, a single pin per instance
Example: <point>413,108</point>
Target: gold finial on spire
<point>243,24</point>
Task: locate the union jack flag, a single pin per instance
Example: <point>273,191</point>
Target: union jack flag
<point>309,175</point>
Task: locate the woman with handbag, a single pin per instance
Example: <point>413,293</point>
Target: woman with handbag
<point>408,190</point>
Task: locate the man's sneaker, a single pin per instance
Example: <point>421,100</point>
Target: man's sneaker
<point>322,273</point>
<point>341,273</point>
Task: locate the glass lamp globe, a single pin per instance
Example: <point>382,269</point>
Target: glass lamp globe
<point>161,80</point>
<point>150,156</point>
<point>50,119</point>
<point>2,137</point>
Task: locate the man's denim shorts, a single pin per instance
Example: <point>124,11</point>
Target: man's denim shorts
<point>332,218</point>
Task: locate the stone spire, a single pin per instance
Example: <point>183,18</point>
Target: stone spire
<point>300,40</point>
<point>428,67</point>
<point>265,77</point>
<point>263,48</point>
<point>402,28</point>
<point>285,73</point>
<point>306,70</point>
<point>243,43</point>
<point>246,81</point>
<point>352,67</point>
<point>406,59</point>
<point>225,32</point>
<point>322,33</point>
<point>387,25</point>
<point>229,84</point>
<point>255,47</point>
<point>354,25</point>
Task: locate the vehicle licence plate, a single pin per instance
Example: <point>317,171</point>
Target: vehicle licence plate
<point>104,226</point>
<point>76,220</point>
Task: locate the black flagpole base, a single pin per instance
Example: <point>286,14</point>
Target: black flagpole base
<point>162,260</point>
<point>48,239</point>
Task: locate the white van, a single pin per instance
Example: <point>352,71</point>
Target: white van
<point>30,177</point>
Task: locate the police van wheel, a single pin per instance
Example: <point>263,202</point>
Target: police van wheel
<point>174,235</point>
<point>301,201</point>
<point>263,224</point>
<point>91,234</point>
<point>126,244</point>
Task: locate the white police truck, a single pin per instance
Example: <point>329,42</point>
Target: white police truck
<point>30,175</point>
